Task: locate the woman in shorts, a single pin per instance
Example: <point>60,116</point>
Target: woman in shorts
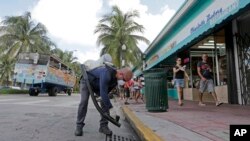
<point>179,72</point>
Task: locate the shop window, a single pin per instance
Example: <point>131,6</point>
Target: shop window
<point>222,70</point>
<point>220,58</point>
<point>215,47</point>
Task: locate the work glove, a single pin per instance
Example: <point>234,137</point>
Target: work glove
<point>112,113</point>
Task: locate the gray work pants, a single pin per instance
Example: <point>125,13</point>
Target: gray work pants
<point>83,106</point>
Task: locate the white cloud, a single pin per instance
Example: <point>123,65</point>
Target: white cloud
<point>74,21</point>
<point>91,54</point>
<point>153,23</point>
<point>127,5</point>
<point>82,52</point>
<point>70,20</point>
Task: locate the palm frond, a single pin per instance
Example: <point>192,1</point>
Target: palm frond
<point>117,29</point>
<point>20,33</point>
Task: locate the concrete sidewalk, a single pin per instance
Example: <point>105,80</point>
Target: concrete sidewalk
<point>186,123</point>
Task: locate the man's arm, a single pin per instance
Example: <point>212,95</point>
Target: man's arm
<point>104,81</point>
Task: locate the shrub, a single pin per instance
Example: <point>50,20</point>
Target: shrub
<point>13,91</point>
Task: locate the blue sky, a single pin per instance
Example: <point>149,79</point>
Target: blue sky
<point>71,22</point>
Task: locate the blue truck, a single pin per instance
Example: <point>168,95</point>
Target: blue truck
<point>43,73</point>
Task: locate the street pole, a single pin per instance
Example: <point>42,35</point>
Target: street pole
<point>123,55</point>
<point>143,61</point>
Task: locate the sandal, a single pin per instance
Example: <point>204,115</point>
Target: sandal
<point>180,104</point>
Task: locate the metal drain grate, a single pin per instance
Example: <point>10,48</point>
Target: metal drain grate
<point>117,138</point>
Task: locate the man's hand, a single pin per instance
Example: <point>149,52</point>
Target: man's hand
<point>203,79</point>
<point>112,112</point>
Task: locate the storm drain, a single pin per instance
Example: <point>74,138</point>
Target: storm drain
<point>118,138</point>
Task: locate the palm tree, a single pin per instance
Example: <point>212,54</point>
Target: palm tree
<point>6,69</point>
<point>21,34</point>
<point>66,56</point>
<point>57,52</point>
<point>117,29</point>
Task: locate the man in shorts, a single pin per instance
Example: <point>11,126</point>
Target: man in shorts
<point>206,83</point>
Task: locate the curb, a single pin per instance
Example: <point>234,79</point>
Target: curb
<point>143,131</point>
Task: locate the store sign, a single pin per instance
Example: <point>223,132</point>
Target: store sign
<point>161,52</point>
<point>153,59</point>
<point>166,49</point>
<point>214,13</point>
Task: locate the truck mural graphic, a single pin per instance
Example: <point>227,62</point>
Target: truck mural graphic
<point>43,73</point>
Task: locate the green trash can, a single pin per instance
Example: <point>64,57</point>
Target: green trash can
<point>156,90</point>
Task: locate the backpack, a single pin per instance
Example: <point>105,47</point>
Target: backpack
<point>104,59</point>
<point>112,83</point>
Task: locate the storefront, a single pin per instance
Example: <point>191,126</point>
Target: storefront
<point>217,28</point>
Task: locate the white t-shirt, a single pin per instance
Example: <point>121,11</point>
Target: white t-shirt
<point>120,82</point>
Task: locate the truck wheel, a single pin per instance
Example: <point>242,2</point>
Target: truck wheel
<point>49,91</point>
<point>53,91</point>
<point>69,92</point>
<point>33,92</point>
<point>36,93</point>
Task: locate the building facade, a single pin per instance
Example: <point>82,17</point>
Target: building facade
<point>218,28</point>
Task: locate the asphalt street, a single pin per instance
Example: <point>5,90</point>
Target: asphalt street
<point>44,118</point>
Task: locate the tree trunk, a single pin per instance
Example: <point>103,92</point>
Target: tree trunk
<point>7,81</point>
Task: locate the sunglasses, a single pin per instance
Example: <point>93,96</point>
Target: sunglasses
<point>178,60</point>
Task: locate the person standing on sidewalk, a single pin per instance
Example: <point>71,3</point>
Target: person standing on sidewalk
<point>121,89</point>
<point>127,86</point>
<point>179,72</point>
<point>137,87</point>
<point>206,83</point>
<point>102,80</point>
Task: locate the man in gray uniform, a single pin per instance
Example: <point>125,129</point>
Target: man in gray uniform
<point>102,80</point>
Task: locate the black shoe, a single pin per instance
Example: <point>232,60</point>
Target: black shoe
<point>105,130</point>
<point>117,118</point>
<point>218,103</point>
<point>126,103</point>
<point>78,131</point>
